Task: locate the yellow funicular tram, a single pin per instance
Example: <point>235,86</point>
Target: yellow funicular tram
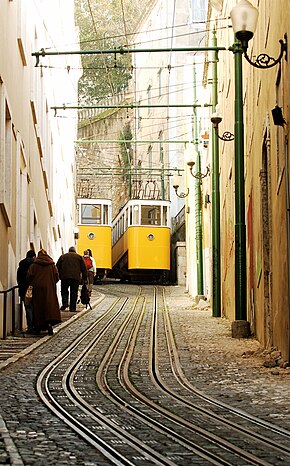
<point>95,232</point>
<point>141,241</point>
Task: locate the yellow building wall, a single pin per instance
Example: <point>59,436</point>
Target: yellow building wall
<point>265,155</point>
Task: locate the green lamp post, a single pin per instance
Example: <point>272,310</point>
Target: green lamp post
<point>244,21</point>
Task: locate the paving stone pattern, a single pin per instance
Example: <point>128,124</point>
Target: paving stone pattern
<point>237,371</point>
<point>232,370</point>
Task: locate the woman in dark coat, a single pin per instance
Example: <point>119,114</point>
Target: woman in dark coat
<point>43,276</point>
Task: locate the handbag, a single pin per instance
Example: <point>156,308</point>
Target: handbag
<point>28,295</point>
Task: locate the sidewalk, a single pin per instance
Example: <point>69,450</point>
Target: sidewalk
<point>15,347</point>
<point>238,370</point>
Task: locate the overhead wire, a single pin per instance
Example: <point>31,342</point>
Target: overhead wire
<point>192,23</point>
<point>124,21</point>
<point>160,30</point>
<point>171,128</point>
<point>115,134</point>
<point>132,44</point>
<point>94,25</point>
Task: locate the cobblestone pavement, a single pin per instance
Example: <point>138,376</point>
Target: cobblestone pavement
<point>232,370</point>
<point>237,371</point>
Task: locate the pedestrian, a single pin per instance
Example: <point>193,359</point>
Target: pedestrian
<point>43,276</point>
<point>91,268</point>
<point>22,270</point>
<point>72,271</point>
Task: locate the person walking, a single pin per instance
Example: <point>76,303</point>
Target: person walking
<point>43,276</point>
<point>72,271</point>
<point>22,270</point>
<point>91,268</point>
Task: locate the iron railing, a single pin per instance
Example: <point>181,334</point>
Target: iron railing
<point>12,307</point>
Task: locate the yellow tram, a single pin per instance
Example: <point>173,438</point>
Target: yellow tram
<point>95,232</point>
<point>141,241</point>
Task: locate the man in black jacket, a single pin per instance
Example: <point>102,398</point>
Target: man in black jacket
<point>72,271</point>
<point>22,270</point>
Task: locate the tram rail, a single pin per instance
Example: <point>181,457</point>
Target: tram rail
<point>93,387</point>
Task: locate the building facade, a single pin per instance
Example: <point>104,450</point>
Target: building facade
<point>169,83</point>
<point>266,173</point>
<point>103,165</point>
<point>37,200</point>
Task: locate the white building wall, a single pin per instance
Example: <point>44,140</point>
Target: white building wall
<point>165,74</point>
<point>37,205</point>
<point>174,25</point>
<point>45,143</point>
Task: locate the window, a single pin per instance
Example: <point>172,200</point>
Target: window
<point>165,216</point>
<point>150,215</point>
<point>149,97</point>
<point>160,82</point>
<point>139,117</point>
<point>91,214</point>
<point>126,219</point>
<point>6,136</point>
<point>105,214</point>
<point>135,215</point>
<point>199,11</point>
<point>149,154</point>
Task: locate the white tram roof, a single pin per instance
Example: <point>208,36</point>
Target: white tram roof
<point>94,201</point>
<point>146,202</point>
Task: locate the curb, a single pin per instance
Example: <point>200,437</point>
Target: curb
<point>45,338</point>
<point>10,448</point>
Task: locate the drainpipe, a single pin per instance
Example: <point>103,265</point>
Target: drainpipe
<point>216,267</point>
<point>198,212</point>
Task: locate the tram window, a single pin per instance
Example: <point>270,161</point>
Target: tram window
<point>150,215</point>
<point>164,216</point>
<point>136,215</point>
<point>105,214</point>
<point>131,217</point>
<point>91,214</point>
<point>126,219</point>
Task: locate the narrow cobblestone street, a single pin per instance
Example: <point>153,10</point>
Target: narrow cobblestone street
<point>231,370</point>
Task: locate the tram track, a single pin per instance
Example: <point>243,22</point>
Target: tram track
<point>95,392</point>
<point>77,402</point>
<point>183,381</point>
<point>218,441</point>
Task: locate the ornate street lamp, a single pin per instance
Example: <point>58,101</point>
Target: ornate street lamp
<point>197,175</point>
<point>244,21</point>
<point>216,119</point>
<point>191,162</point>
<point>176,184</point>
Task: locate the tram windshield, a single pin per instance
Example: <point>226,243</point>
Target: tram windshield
<point>91,214</point>
<point>150,215</point>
